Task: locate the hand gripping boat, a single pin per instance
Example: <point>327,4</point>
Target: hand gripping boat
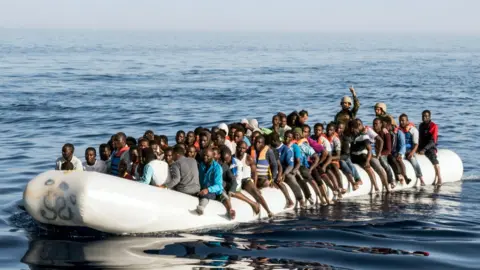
<point>111,204</point>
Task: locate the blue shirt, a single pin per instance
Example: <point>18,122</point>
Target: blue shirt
<point>286,156</point>
<point>306,152</point>
<point>147,175</point>
<point>247,141</point>
<point>211,178</point>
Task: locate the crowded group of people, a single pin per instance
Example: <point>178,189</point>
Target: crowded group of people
<point>218,163</point>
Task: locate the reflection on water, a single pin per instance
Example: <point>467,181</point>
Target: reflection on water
<point>348,235</point>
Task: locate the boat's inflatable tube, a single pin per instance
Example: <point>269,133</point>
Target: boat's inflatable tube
<point>111,204</point>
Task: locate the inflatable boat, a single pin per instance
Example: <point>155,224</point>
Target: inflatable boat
<point>114,205</point>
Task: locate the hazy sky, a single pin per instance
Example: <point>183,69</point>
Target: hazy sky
<point>451,16</point>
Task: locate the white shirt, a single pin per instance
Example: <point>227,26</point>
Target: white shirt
<point>77,164</point>
<point>99,166</point>
<point>161,172</point>
<point>326,144</point>
<point>371,134</point>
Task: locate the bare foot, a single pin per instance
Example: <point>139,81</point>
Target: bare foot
<point>422,183</point>
<point>355,187</point>
<point>256,209</point>
<point>289,204</point>
<point>359,182</point>
<point>231,214</point>
<point>270,214</point>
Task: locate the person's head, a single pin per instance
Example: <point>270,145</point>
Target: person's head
<point>292,118</point>
<point>241,149</point>
<point>163,142</point>
<point>361,127</point>
<point>377,125</point>
<point>156,148</point>
<point>403,119</point>
<point>131,141</point>
<point>318,129</point>
<point>190,138</point>
<point>67,151</point>
<point>149,135</point>
<point>259,143</point>
<point>191,151</point>
<point>110,142</point>
<point>288,137</point>
<point>302,117</point>
<point>346,103</point>
<point>204,140</point>
<point>182,145</point>
<point>105,151</point>
<point>276,120</point>
<point>340,128</point>
<point>297,133</point>
<point>207,155</point>
<point>283,121</point>
<point>330,129</point>
<point>426,116</point>
<point>134,154</point>
<point>120,140</point>
<point>214,130</point>
<point>226,154</point>
<point>148,155</point>
<point>387,123</point>
<point>274,139</point>
<point>67,166</point>
<point>180,137</point>
<point>168,155</point>
<point>255,135</point>
<point>233,128</point>
<point>239,135</point>
<point>90,155</point>
<point>143,143</point>
<point>353,127</point>
<point>178,152</point>
<point>380,109</point>
<point>219,138</point>
<point>306,131</point>
<point>216,153</point>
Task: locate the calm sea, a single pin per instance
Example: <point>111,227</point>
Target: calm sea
<point>83,86</point>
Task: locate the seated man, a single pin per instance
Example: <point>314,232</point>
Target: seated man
<point>411,144</point>
<point>67,157</point>
<point>211,183</point>
<point>183,173</point>
<point>105,154</point>
<point>233,176</point>
<point>91,163</point>
<point>382,154</point>
<point>427,144</point>
<point>361,151</point>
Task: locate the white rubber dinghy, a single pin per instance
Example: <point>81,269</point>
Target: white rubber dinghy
<point>115,205</point>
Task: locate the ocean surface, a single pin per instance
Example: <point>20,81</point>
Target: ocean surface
<point>83,86</point>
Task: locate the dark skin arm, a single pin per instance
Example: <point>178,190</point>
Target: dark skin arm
<point>297,165</point>
<point>414,150</point>
<point>369,156</point>
<point>316,161</point>
<point>378,145</point>
<point>327,161</point>
<point>253,168</point>
<point>280,171</point>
